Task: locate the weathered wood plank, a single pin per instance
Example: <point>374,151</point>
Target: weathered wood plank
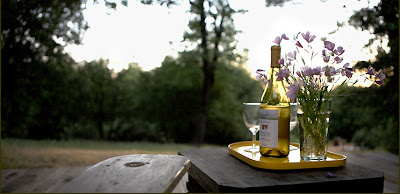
<point>217,171</point>
<point>381,161</point>
<point>40,180</point>
<point>139,173</point>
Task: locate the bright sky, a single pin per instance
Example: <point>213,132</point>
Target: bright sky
<point>146,34</point>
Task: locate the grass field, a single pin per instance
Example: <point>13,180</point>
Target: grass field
<point>18,153</point>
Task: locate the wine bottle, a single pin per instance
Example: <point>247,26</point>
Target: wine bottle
<point>274,113</point>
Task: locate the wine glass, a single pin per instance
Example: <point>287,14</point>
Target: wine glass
<point>251,119</point>
<point>293,120</point>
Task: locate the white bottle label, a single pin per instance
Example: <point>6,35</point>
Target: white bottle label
<point>269,128</point>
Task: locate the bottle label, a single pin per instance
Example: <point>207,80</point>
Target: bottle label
<point>269,128</point>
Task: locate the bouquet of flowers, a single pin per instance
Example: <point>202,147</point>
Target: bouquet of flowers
<point>315,82</point>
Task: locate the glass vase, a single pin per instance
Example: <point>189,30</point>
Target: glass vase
<point>313,118</point>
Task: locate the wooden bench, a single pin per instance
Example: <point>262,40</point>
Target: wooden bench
<point>215,170</point>
<point>138,173</point>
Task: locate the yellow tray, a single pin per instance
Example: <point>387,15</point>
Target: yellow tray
<point>292,161</point>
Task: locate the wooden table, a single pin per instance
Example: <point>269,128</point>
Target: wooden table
<point>215,170</point>
<point>137,173</point>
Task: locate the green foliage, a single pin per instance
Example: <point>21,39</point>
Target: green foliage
<point>35,72</point>
<point>360,118</point>
<point>233,87</point>
<point>383,21</point>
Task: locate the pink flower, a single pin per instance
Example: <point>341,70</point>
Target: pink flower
<point>329,45</point>
<point>308,37</point>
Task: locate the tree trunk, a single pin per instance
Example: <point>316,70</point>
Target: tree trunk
<point>209,66</point>
<point>201,120</point>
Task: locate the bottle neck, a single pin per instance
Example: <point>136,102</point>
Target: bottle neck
<point>275,56</point>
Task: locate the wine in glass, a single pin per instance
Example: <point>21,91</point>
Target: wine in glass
<point>252,122</point>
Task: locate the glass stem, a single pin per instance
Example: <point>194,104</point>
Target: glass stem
<point>254,140</point>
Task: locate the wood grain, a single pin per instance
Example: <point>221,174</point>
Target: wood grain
<point>215,170</point>
<point>138,173</point>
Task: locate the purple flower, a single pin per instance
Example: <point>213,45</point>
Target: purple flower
<point>326,58</point>
<point>292,92</point>
<point>324,52</point>
<point>277,40</point>
<point>349,74</point>
<point>329,71</point>
<point>299,44</point>
<point>299,74</point>
<point>260,74</point>
<point>308,37</point>
<point>284,37</point>
<point>381,75</point>
<point>371,70</point>
<point>317,71</point>
<point>330,175</point>
<point>379,82</point>
<point>308,71</point>
<point>346,66</point>
<point>329,45</point>
<point>283,73</point>
<point>281,61</point>
<point>339,50</point>
<point>292,55</point>
<point>347,71</point>
<point>338,59</point>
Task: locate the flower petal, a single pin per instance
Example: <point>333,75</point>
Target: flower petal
<point>329,45</point>
<point>277,40</point>
<point>299,44</point>
<point>338,59</point>
<point>284,37</point>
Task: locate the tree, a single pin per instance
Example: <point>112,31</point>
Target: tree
<point>30,36</point>
<point>35,70</point>
<point>382,20</point>
<point>99,94</point>
<point>214,40</point>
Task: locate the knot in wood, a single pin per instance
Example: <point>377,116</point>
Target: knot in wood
<point>135,164</point>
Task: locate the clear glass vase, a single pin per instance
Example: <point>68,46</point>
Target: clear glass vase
<point>313,118</point>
